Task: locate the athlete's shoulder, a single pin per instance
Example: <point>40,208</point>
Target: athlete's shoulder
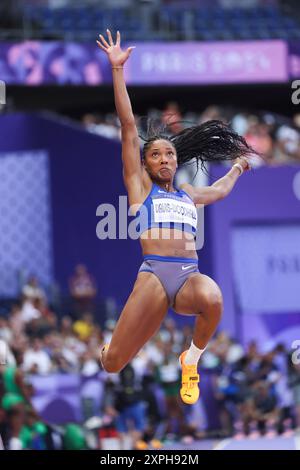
<point>188,189</point>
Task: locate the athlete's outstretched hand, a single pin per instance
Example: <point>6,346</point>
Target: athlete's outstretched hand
<point>116,55</point>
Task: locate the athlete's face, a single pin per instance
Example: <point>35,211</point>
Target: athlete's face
<point>161,161</point>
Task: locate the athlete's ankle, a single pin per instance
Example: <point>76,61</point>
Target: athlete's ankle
<point>193,354</point>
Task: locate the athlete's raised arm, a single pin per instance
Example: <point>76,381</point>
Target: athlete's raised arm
<point>221,188</point>
<point>132,167</point>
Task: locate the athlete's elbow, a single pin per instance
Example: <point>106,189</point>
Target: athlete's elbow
<point>221,193</point>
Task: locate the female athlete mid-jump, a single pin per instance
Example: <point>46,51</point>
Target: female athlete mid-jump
<point>169,275</point>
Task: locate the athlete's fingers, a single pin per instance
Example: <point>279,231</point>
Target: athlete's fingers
<point>130,49</point>
<point>102,47</point>
<point>104,42</point>
<point>110,39</point>
<point>118,42</point>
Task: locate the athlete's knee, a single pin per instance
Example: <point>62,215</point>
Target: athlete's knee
<point>214,302</point>
<point>112,362</point>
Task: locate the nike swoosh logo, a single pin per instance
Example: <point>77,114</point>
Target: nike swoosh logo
<point>187,267</point>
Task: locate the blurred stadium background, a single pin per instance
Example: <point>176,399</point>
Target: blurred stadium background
<point>62,289</point>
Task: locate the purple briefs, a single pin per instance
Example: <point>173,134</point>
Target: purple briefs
<point>171,271</point>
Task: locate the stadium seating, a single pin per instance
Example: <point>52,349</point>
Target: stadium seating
<point>174,22</point>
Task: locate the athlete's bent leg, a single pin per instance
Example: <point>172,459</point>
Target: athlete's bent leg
<point>199,295</point>
<point>140,319</point>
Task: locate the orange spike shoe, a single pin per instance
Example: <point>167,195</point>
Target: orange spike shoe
<point>190,378</point>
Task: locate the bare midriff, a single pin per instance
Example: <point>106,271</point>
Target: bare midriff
<point>168,242</point>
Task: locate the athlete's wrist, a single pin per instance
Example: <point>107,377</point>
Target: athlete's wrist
<point>239,167</point>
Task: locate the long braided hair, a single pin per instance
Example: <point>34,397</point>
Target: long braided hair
<point>211,141</point>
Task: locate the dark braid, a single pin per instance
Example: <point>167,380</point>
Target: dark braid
<point>211,141</point>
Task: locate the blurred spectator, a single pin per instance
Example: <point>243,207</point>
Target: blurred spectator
<point>258,138</point>
<point>261,408</point>
<point>288,140</point>
<point>16,321</point>
<point>84,327</point>
<point>294,383</point>
<point>239,123</point>
<point>130,407</point>
<point>15,439</point>
<point>169,333</point>
<point>36,360</point>
<point>35,314</point>
<point>83,289</point>
<point>5,332</point>
<point>171,117</point>
<point>29,312</point>
<point>66,327</point>
<point>32,291</point>
<point>14,387</point>
<point>106,126</point>
<point>274,137</point>
<point>168,376</point>
<point>210,113</point>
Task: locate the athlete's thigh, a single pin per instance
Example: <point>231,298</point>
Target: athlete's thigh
<point>141,316</point>
<point>197,292</point>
